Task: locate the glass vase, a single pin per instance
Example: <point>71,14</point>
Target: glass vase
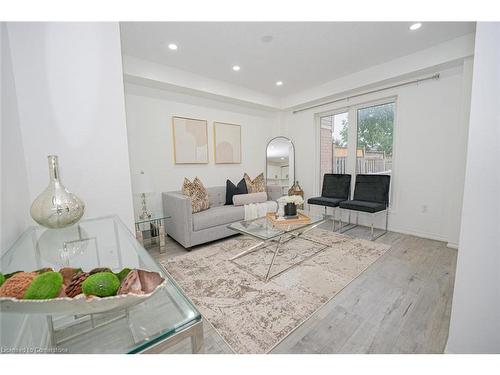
<point>56,207</point>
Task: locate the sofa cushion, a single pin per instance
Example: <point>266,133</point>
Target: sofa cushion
<point>242,199</point>
<point>217,195</point>
<point>219,215</point>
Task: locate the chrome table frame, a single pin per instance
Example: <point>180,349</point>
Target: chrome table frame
<point>159,345</point>
<point>194,331</point>
<point>281,239</point>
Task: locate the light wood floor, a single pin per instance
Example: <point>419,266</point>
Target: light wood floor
<point>401,304</point>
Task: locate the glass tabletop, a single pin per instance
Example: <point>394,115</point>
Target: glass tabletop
<point>102,242</point>
<point>153,217</point>
<point>265,229</point>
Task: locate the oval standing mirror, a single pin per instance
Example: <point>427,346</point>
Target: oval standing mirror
<point>280,163</point>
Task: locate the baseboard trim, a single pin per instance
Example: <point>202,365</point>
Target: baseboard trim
<point>430,236</point>
<point>411,232</point>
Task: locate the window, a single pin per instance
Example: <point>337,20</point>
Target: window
<point>375,127</point>
<point>333,143</point>
<point>365,148</point>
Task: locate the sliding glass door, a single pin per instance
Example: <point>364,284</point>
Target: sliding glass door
<point>363,148</point>
<point>375,129</point>
<point>333,143</point>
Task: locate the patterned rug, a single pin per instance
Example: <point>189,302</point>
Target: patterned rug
<point>254,316</point>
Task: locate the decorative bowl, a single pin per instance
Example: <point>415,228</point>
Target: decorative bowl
<point>79,305</point>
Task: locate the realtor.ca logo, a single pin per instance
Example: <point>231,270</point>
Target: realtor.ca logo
<point>32,350</point>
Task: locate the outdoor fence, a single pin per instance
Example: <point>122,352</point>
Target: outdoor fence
<point>363,165</point>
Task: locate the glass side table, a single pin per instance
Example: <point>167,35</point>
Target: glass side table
<point>151,326</point>
<point>155,225</point>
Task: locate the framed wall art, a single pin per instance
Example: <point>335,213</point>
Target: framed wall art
<point>190,138</point>
<point>227,143</point>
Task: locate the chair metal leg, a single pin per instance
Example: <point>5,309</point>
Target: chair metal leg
<point>349,225</point>
<point>386,225</point>
<point>333,219</point>
<point>373,218</point>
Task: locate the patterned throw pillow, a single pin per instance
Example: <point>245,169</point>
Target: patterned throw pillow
<point>257,185</point>
<point>198,194</point>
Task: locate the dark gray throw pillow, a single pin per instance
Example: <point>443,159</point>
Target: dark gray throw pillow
<point>232,190</point>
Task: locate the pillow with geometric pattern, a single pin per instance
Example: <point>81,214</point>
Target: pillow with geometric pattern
<point>257,185</point>
<point>198,194</point>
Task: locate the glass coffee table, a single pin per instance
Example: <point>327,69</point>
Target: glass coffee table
<point>152,326</point>
<point>267,232</point>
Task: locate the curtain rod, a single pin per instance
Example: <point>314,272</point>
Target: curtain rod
<point>434,76</point>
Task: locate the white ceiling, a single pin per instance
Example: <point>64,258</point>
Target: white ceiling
<point>301,54</point>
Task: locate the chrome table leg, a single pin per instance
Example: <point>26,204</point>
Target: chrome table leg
<point>249,250</point>
<point>278,246</point>
<point>197,340</point>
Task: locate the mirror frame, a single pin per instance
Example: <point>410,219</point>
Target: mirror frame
<point>293,150</point>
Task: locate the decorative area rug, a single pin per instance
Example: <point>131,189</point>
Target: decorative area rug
<point>254,316</point>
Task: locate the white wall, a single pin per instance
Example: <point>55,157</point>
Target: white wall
<point>69,84</point>
<point>429,154</point>
<point>153,74</point>
<point>15,197</point>
<point>475,316</point>
<point>149,124</point>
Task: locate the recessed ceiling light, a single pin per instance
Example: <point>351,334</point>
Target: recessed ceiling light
<point>172,47</point>
<point>267,39</point>
<point>279,83</point>
<point>415,26</point>
<point>236,68</point>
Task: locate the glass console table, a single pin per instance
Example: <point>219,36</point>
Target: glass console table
<point>151,326</point>
<point>155,226</point>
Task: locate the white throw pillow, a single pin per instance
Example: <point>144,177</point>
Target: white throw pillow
<point>242,199</point>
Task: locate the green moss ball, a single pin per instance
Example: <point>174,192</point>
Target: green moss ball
<point>2,278</point>
<point>122,274</point>
<point>101,284</point>
<point>45,286</point>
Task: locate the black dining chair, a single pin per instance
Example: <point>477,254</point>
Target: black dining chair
<point>371,195</point>
<point>336,188</point>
